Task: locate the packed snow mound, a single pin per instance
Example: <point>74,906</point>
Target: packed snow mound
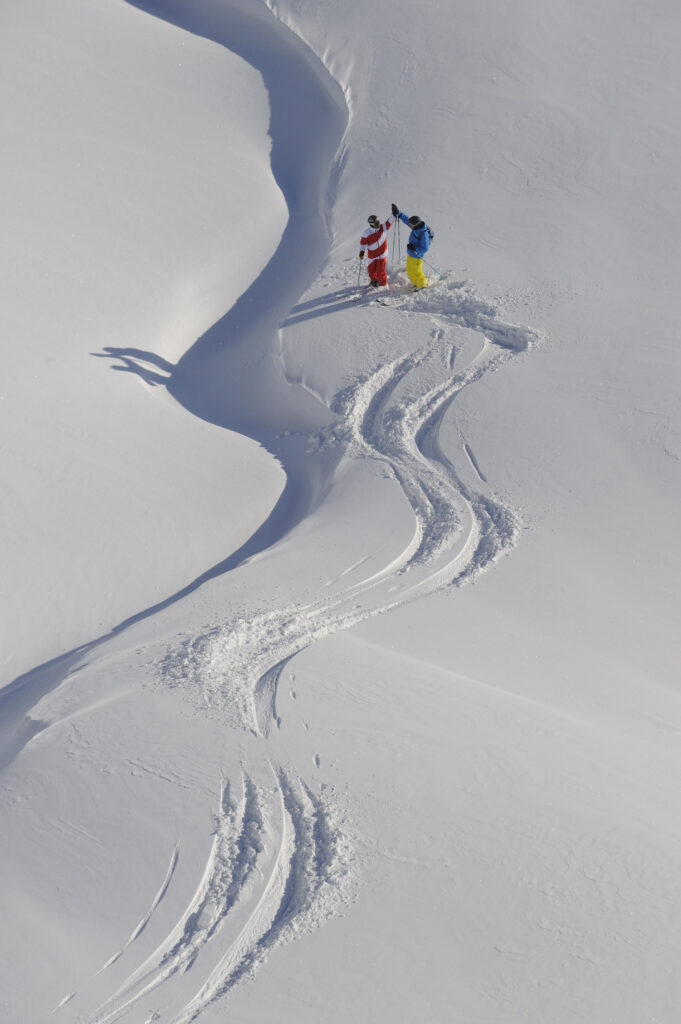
<point>462,304</point>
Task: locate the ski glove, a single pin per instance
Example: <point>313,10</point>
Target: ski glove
<point>395,211</point>
<point>410,248</point>
<point>361,255</point>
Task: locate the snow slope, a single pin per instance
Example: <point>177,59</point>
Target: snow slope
<point>394,676</point>
<point>115,203</point>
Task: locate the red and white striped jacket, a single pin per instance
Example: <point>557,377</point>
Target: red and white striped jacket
<point>375,241</point>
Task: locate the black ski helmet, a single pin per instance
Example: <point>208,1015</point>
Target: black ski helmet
<point>414,221</point>
<point>374,221</point>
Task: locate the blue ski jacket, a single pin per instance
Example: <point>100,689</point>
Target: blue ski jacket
<point>419,239</point>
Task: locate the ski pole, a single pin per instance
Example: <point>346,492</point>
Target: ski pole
<point>434,268</point>
<point>359,272</point>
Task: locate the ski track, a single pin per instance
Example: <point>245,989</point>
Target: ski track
<point>237,841</point>
<point>393,415</point>
<point>280,863</point>
<point>301,892</point>
<point>139,928</point>
<point>279,858</point>
<point>137,931</point>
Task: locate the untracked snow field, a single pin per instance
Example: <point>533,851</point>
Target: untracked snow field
<point>339,630</point>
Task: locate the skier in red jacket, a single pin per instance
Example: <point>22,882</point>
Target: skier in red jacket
<point>375,241</point>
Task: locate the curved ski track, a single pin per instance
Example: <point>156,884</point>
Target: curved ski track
<point>277,868</point>
<point>392,415</point>
<point>280,862</point>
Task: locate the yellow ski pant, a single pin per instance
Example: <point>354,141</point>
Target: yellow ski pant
<point>415,272</point>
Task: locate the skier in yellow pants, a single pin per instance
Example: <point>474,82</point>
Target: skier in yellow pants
<point>415,272</point>
<point>419,242</point>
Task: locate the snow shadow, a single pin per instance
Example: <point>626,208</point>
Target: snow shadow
<point>232,375</point>
<point>139,362</point>
<point>322,305</point>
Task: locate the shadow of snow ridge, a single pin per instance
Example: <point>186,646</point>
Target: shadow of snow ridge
<point>232,375</point>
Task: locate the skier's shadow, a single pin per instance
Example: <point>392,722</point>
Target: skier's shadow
<point>135,360</point>
<point>322,305</point>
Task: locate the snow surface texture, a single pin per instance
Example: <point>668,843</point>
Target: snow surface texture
<point>268,705</point>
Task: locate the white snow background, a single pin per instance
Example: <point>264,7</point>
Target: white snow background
<point>340,639</point>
